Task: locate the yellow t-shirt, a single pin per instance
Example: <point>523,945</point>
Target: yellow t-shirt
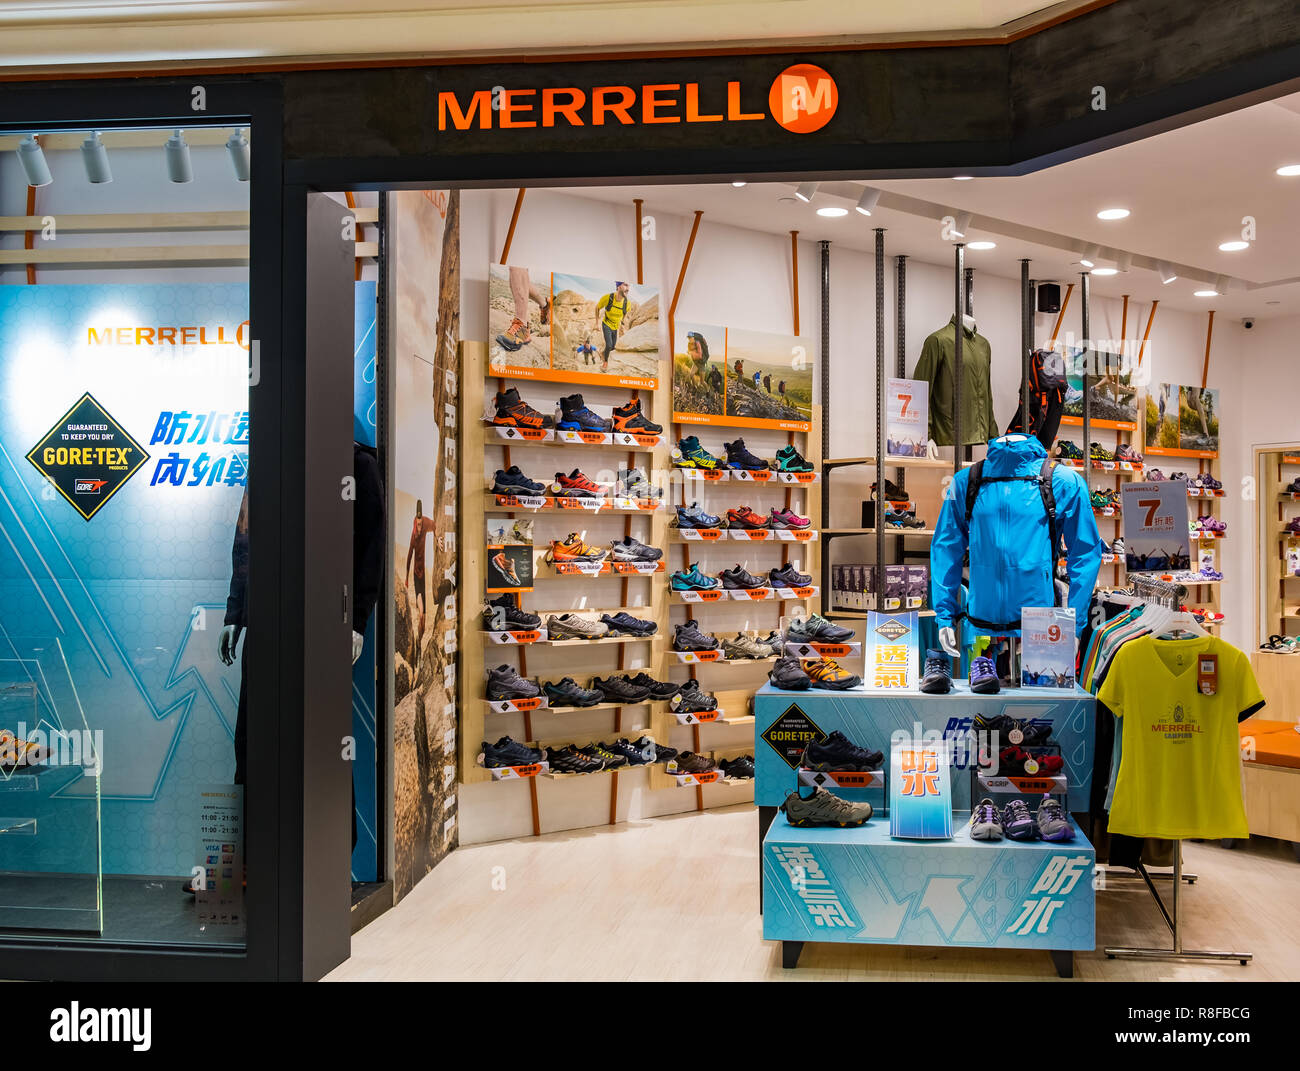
<point>1180,775</point>
<point>615,308</point>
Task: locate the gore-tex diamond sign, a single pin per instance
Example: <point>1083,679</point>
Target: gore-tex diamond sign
<point>790,733</point>
<point>88,456</point>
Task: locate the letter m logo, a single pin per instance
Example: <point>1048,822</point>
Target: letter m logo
<point>803,98</point>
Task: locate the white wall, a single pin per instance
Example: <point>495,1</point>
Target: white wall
<point>740,276</point>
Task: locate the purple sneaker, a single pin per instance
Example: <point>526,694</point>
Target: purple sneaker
<point>1156,474</point>
<point>984,676</point>
<point>1017,822</point>
<point>1052,823</point>
<point>784,518</point>
<point>984,824</point>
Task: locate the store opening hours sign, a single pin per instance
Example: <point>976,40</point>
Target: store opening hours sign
<point>1156,537</point>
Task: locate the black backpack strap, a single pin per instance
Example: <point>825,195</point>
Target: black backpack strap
<point>1049,504</point>
<point>973,482</point>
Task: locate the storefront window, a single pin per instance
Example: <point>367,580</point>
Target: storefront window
<point>126,357</point>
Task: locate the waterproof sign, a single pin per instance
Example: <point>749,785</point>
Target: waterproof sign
<point>920,791</point>
<point>908,418</point>
<point>1155,526</point>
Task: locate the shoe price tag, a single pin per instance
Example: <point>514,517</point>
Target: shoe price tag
<point>1031,767</point>
<point>746,476</point>
<point>523,501</point>
<point>798,477</point>
<point>628,438</point>
<point>642,568</point>
<point>701,535</point>
<point>1207,676</point>
<point>531,435</point>
<point>749,534</point>
<point>701,596</point>
<point>584,438</point>
<point>795,535</point>
<point>754,594</point>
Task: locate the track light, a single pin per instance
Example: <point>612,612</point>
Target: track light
<point>1167,273</point>
<point>962,225</point>
<point>1090,255</point>
<point>32,157</point>
<point>867,202</point>
<point>807,191</point>
<point>237,146</point>
<point>95,158</point>
<point>1123,261</point>
<point>1221,283</point>
<point>177,152</point>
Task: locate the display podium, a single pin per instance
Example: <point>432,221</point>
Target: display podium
<point>863,886</point>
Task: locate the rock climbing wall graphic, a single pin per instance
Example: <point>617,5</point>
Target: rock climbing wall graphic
<point>114,618</point>
<point>425,238</point>
<point>572,328</point>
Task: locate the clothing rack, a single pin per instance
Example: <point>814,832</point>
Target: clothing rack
<point>1165,593</point>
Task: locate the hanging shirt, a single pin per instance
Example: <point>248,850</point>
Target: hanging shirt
<point>936,367</point>
<point>1180,775</point>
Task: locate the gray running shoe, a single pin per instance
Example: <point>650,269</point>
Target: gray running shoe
<point>775,641</point>
<point>824,808</point>
<point>984,824</point>
<point>1052,821</point>
<point>633,483</point>
<point>745,647</point>
<point>816,629</point>
<point>573,627</point>
<point>633,550</point>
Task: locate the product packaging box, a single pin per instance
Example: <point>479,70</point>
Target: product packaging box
<point>895,587</point>
<point>918,587</point>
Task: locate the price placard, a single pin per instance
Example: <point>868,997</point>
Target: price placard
<point>1047,648</point>
<point>908,418</point>
<point>1156,537</point>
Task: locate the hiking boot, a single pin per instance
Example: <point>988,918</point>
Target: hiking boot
<point>1156,475</point>
<point>576,485</point>
<point>633,483</point>
<point>984,824</point>
<point>688,637</point>
<point>787,576</point>
<point>504,683</point>
<point>1118,547</point>
<point>694,456</point>
<point>893,493</point>
<point>610,760</point>
<point>1017,822</point>
<point>937,678</point>
<point>516,336</point>
<point>827,673</point>
<point>788,459</point>
<point>902,519</point>
<point>506,568</point>
<point>624,624</point>
<point>745,518</point>
<point>693,580</point>
<point>737,579</point>
<point>641,755</point>
<point>693,517</point>
<point>658,689</point>
<point>745,647</point>
<point>1099,453</point>
<point>824,808</point>
<point>838,752</point>
<point>633,550</point>
<point>1124,452</point>
<point>511,617</point>
<point>513,482</point>
<point>740,458</point>
<point>514,412</point>
<point>568,693</point>
<point>816,629</point>
<point>573,627</point>
<point>691,763</point>
<point>620,690</point>
<point>984,677</point>
<point>569,759</point>
<point>662,753</point>
<point>694,701</point>
<point>787,519</point>
<point>741,769</point>
<point>507,752</point>
<point>775,641</point>
<point>629,417</point>
<point>573,549</point>
<point>1068,451</point>
<point>575,416</point>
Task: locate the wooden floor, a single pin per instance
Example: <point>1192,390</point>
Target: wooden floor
<point>676,899</point>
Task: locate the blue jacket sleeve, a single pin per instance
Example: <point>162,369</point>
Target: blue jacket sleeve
<point>947,549</point>
<point>1083,543</point>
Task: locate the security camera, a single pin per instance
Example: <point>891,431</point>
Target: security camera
<point>1248,322</point>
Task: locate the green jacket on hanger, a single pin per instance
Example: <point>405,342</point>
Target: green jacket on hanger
<point>936,368</point>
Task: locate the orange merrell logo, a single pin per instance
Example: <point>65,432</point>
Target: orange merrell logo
<point>803,98</point>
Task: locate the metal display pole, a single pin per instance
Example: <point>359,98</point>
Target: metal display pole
<point>881,415</point>
<point>958,446</point>
<point>1026,341</point>
<point>825,360</point>
<point>900,339</point>
<point>1084,295</point>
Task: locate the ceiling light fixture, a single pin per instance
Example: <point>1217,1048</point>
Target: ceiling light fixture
<point>237,146</point>
<point>867,202</point>
<point>1113,213</point>
<point>1288,170</point>
<point>95,158</point>
<point>1166,271</point>
<point>1235,246</point>
<point>176,150</point>
<point>832,211</point>
<point>982,245</point>
<point>1104,271</point>
<point>807,191</point>
<point>962,178</point>
<point>1221,283</point>
<point>738,185</point>
<point>1090,255</point>
<point>961,225</point>
<point>1124,261</point>
<point>1207,293</point>
<point>32,157</point>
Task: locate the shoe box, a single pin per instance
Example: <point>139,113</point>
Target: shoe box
<point>854,587</point>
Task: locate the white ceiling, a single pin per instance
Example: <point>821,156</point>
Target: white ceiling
<point>1187,191</point>
<point>49,32</point>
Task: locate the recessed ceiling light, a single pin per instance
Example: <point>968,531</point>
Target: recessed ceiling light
<point>1104,271</point>
<point>1207,293</point>
<point>962,178</point>
<point>807,191</point>
<point>1113,213</point>
<point>1288,170</point>
<point>1235,246</point>
<point>982,245</point>
<point>738,184</point>
<point>832,211</point>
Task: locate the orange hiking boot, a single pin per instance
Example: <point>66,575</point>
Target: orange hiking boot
<point>629,418</point>
<point>514,412</point>
<point>574,549</point>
